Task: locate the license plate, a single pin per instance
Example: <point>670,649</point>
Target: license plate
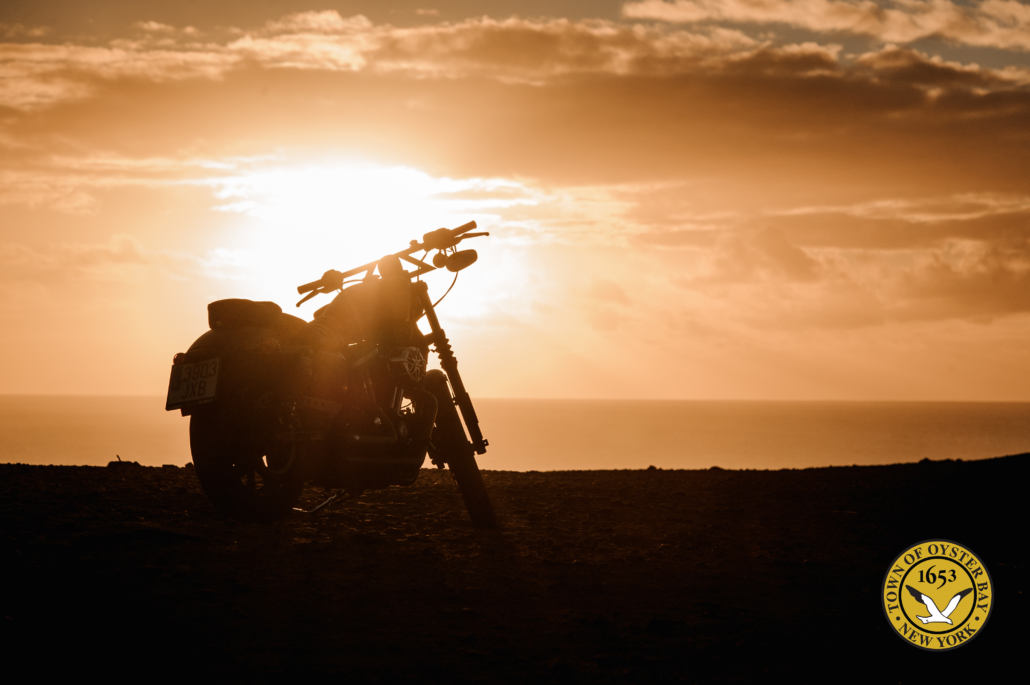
<point>191,383</point>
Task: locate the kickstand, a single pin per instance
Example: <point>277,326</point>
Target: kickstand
<point>335,496</point>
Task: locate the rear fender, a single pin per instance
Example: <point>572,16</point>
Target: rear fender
<point>249,355</point>
<point>227,342</point>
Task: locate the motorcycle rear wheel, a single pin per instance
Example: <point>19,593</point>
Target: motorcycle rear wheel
<point>250,474</point>
<point>450,444</point>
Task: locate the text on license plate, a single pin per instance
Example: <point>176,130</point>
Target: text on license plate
<point>190,383</point>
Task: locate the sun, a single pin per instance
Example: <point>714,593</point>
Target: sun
<point>341,213</point>
<point>302,219</point>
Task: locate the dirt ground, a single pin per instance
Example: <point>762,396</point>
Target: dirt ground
<point>594,576</point>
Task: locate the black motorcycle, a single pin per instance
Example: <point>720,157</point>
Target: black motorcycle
<point>270,411</point>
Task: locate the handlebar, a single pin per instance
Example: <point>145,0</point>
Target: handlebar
<point>440,239</point>
<point>308,287</point>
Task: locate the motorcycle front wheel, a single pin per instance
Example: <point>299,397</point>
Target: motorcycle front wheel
<point>449,444</point>
<point>249,472</point>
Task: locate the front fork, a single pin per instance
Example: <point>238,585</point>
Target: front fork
<point>450,366</point>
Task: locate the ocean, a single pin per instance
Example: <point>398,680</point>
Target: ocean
<point>557,435</point>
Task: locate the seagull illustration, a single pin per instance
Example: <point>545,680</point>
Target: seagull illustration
<point>936,615</point>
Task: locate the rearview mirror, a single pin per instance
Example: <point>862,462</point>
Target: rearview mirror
<point>459,260</point>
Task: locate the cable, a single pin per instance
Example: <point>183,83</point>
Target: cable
<point>448,290</point>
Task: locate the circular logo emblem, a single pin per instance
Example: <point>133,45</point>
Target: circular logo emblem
<point>937,595</point>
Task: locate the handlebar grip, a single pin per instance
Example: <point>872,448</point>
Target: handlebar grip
<point>308,287</point>
<point>443,238</point>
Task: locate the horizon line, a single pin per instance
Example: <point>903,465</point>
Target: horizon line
<point>596,399</point>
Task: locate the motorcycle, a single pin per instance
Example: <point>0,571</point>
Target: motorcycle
<point>269,412</point>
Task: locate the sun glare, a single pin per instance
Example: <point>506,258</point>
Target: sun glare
<point>306,219</point>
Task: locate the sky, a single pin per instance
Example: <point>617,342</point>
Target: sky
<point>689,199</point>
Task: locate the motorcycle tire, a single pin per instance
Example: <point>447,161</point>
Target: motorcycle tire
<point>245,474</point>
<point>450,444</point>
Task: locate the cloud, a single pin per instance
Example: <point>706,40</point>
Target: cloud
<point>761,254</point>
<point>122,258</point>
<point>34,75</point>
<point>962,257</point>
<point>70,184</point>
<point>907,224</point>
<point>22,31</point>
<point>892,64</point>
<point>965,256</point>
<point>1003,24</point>
<point>328,22</point>
<point>968,279</point>
<point>534,51</point>
<point>516,50</point>
<point>75,259</point>
<point>52,190</point>
<point>154,27</point>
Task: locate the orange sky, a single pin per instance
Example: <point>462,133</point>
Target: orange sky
<point>706,199</point>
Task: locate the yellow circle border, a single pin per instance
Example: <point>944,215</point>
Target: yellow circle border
<point>895,562</point>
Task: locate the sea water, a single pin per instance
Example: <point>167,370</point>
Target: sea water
<point>547,435</point>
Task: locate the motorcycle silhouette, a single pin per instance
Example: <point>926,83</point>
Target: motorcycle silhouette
<point>271,411</point>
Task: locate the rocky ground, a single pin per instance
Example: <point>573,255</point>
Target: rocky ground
<point>594,576</point>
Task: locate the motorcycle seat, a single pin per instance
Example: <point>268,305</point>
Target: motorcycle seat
<point>241,313</point>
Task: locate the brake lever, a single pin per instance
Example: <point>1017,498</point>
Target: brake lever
<point>316,291</point>
<point>470,235</point>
